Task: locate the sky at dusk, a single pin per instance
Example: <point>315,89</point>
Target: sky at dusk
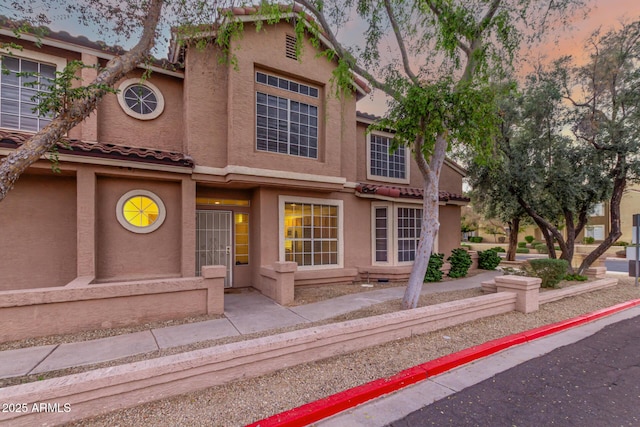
<point>605,14</point>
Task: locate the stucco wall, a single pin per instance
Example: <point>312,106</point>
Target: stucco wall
<point>164,132</point>
<point>265,50</point>
<point>205,112</point>
<point>449,234</point>
<point>124,255</point>
<point>38,232</point>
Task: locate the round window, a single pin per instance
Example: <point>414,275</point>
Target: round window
<point>140,211</point>
<point>141,100</point>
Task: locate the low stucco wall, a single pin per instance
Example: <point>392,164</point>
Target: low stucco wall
<point>64,310</point>
<point>104,390</point>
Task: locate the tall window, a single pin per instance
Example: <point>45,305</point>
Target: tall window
<point>311,233</point>
<point>381,233</point>
<point>20,81</point>
<point>242,238</point>
<point>384,164</point>
<point>285,125</point>
<point>409,225</point>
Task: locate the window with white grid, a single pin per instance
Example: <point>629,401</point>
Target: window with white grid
<point>384,164</point>
<point>286,126</point>
<point>409,224</point>
<point>20,82</point>
<point>311,233</point>
<point>381,233</point>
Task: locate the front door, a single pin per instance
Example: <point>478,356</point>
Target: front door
<point>214,244</point>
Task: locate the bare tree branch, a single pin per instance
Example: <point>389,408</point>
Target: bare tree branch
<point>345,55</point>
<point>400,41</point>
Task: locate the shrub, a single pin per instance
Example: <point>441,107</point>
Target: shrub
<point>498,249</point>
<point>589,240</point>
<point>529,239</point>
<point>460,262</point>
<point>522,250</point>
<point>551,271</point>
<point>620,243</point>
<point>522,244</point>
<point>475,239</point>
<point>576,278</point>
<point>434,274</point>
<point>542,248</point>
<point>488,260</point>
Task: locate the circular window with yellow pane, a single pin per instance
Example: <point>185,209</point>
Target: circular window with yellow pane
<point>140,211</point>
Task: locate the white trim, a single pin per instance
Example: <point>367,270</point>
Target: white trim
<point>72,47</point>
<point>162,212</point>
<point>390,244</point>
<point>268,173</point>
<point>407,160</point>
<point>282,199</point>
<point>392,233</point>
<point>79,158</point>
<point>59,62</point>
<point>125,84</point>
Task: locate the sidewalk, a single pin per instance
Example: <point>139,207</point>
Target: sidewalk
<point>245,313</point>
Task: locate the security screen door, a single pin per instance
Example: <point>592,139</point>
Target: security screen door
<point>214,244</point>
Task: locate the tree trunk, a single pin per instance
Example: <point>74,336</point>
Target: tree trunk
<point>430,219</point>
<point>12,166</point>
<point>514,225</point>
<point>619,184</point>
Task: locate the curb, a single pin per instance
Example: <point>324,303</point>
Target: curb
<point>331,405</point>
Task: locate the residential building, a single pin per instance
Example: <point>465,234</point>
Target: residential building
<point>206,163</point>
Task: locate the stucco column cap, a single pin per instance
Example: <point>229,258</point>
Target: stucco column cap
<point>285,267</point>
<point>214,271</point>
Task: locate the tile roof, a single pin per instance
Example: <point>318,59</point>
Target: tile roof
<point>406,192</point>
<point>12,139</point>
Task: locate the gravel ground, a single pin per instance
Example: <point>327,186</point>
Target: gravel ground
<point>243,402</point>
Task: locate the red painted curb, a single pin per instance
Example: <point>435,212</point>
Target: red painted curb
<point>331,405</point>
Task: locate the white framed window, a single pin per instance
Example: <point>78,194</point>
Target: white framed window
<point>595,231</point>
<point>24,74</point>
<point>597,210</point>
<point>286,124</point>
<point>140,211</point>
<point>140,99</point>
<point>381,164</point>
<point>311,232</point>
<point>395,230</point>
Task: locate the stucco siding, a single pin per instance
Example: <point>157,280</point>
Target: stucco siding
<point>164,132</point>
<point>125,255</point>
<point>38,232</point>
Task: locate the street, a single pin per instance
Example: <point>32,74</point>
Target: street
<point>594,382</point>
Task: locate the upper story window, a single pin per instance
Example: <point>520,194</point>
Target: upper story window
<point>597,210</point>
<point>286,116</point>
<point>21,80</point>
<point>140,99</point>
<point>390,167</point>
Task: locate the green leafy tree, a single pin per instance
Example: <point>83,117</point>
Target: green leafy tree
<point>438,89</point>
<point>567,177</point>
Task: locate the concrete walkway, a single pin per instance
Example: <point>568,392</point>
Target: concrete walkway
<point>245,313</point>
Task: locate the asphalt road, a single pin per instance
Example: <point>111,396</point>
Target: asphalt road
<point>593,382</point>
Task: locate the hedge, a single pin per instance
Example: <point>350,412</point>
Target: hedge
<point>551,271</point>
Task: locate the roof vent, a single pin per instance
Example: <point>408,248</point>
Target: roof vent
<point>290,48</point>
